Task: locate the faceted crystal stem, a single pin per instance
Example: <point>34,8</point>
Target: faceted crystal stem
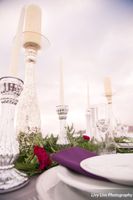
<point>110,146</point>
<point>62,111</point>
<point>110,119</point>
<point>28,114</point>
<point>10,149</point>
<point>93,121</point>
<point>10,89</point>
<point>88,124</point>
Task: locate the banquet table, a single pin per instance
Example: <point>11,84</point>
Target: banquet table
<point>27,192</point>
<point>48,186</point>
<point>55,190</point>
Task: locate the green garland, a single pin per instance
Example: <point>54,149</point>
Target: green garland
<point>28,162</point>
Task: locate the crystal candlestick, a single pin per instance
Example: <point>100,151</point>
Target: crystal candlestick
<point>111,121</point>
<point>110,134</point>
<point>62,111</point>
<point>109,138</point>
<point>93,121</point>
<point>10,178</point>
<point>88,124</point>
<point>28,113</point>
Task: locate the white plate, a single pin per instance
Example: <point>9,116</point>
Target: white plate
<point>115,167</point>
<point>85,183</point>
<point>45,182</point>
<point>50,187</point>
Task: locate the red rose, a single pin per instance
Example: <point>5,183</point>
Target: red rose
<point>86,137</point>
<point>42,157</point>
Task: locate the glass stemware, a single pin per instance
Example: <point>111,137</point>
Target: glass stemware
<point>106,124</point>
<point>121,130</point>
<point>102,123</point>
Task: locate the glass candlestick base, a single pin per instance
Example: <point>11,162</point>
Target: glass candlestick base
<point>10,178</point>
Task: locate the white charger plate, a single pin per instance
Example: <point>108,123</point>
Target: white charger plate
<point>117,168</point>
<point>85,183</point>
<point>50,187</point>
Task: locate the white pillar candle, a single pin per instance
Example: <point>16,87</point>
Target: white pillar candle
<point>13,70</point>
<point>107,86</point>
<point>61,83</point>
<point>32,28</point>
<point>88,96</point>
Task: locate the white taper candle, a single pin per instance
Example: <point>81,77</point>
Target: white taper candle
<point>88,96</point>
<point>61,83</point>
<point>32,28</point>
<point>13,69</point>
<point>107,86</point>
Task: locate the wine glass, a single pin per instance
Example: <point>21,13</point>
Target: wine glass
<point>106,125</point>
<point>102,123</point>
<point>121,130</point>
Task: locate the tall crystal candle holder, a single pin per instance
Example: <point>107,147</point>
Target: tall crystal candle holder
<point>93,121</point>
<point>110,119</point>
<point>88,124</point>
<point>28,118</point>
<point>109,138</point>
<point>10,178</point>
<point>28,114</point>
<point>62,111</point>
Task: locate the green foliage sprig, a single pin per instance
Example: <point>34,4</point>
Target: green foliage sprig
<point>28,162</point>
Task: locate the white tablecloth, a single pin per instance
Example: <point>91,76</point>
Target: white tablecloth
<point>48,186</point>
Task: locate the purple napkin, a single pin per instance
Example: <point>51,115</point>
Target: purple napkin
<point>71,159</point>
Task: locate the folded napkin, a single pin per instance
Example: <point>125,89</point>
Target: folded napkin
<point>71,159</point>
